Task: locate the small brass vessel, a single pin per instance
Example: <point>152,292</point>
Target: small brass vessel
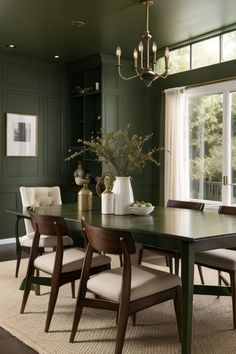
<point>85,198</point>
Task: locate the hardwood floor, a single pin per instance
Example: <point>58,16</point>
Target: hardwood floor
<point>8,343</point>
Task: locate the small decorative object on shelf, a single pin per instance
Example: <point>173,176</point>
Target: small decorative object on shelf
<point>107,197</point>
<point>85,198</point>
<point>80,175</point>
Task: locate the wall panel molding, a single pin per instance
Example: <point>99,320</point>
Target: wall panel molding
<point>29,86</point>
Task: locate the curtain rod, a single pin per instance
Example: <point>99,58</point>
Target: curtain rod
<point>206,83</point>
<point>211,82</point>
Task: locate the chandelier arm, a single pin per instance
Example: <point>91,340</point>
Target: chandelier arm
<point>161,76</point>
<point>126,77</point>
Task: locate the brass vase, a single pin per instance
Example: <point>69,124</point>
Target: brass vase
<point>85,198</point>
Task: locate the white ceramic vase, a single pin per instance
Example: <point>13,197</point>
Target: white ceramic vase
<point>123,195</point>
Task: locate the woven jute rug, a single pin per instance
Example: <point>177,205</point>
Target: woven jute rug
<point>155,332</point>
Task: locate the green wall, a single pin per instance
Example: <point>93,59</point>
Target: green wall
<point>200,76</point>
<point>35,87</point>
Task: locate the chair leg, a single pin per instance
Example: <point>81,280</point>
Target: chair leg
<point>121,260</point>
<point>219,278</point>
<point>178,313</point>
<point>18,259</point>
<point>169,261</point>
<point>28,283</point>
<point>233,292</point>
<point>77,317</point>
<point>201,274</point>
<point>52,303</point>
<point>134,318</point>
<point>140,255</point>
<point>121,330</point>
<point>73,289</point>
<point>177,258</point>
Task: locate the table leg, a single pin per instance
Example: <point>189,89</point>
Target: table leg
<point>187,271</point>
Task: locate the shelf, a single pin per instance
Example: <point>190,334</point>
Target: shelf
<point>92,93</point>
<point>85,106</point>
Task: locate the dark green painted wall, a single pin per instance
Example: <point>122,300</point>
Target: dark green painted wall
<point>32,87</point>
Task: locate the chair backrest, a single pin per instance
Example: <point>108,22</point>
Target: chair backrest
<point>108,240</point>
<point>38,196</point>
<point>47,224</point>
<point>227,209</point>
<point>185,204</point>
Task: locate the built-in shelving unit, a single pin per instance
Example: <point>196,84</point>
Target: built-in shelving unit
<point>85,116</point>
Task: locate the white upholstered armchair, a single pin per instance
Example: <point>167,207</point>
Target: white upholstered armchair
<point>37,196</point>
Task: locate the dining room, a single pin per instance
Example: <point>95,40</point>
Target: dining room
<point>160,76</point>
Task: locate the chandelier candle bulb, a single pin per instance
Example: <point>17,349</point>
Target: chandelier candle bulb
<point>140,48</point>
<point>154,50</point>
<point>135,58</point>
<point>167,54</point>
<point>118,54</point>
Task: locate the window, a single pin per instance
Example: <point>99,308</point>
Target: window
<point>209,51</point>
<point>180,60</point>
<point>212,142</point>
<point>229,46</point>
<point>206,52</point>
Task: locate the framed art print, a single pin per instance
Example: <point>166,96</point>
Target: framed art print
<point>21,135</point>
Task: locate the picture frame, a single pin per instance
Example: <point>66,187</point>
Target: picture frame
<point>21,135</point>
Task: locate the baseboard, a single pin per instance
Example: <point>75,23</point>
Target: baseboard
<point>7,240</point>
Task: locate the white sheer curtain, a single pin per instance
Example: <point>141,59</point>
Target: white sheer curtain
<point>176,145</point>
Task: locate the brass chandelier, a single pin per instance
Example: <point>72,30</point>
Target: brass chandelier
<point>145,57</point>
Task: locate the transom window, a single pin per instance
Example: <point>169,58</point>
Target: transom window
<point>206,52</point>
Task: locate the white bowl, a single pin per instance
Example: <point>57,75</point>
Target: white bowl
<point>141,210</point>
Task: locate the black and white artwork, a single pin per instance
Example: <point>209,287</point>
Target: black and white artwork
<point>21,136</point>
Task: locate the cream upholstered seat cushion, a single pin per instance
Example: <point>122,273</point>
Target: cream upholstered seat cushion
<point>45,241</point>
<point>73,259</point>
<point>219,258</point>
<point>145,281</point>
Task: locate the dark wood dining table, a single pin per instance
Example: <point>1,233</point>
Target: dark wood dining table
<point>184,230</point>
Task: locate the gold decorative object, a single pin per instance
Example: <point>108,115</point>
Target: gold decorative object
<point>107,197</point>
<point>85,198</point>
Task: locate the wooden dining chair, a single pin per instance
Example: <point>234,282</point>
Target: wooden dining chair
<point>63,265</point>
<point>223,260</point>
<point>125,290</point>
<point>36,196</point>
<point>170,254</point>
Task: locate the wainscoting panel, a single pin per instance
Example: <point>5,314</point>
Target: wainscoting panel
<point>23,77</point>
<point>8,200</point>
<point>54,133</point>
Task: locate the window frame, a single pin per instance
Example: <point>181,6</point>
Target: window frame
<point>225,88</point>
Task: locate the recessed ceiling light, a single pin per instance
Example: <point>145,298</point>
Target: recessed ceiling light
<point>56,56</point>
<point>10,45</point>
<point>78,23</point>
